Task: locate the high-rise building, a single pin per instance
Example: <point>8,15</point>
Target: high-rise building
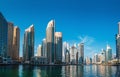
<point>103,56</point>
<point>16,43</point>
<point>3,36</point>
<point>66,53</point>
<point>96,58</point>
<point>58,47</point>
<point>10,39</point>
<point>73,55</point>
<point>118,43</point>
<point>81,53</point>
<point>67,57</point>
<point>108,53</point>
<point>99,57</point>
<point>28,46</point>
<point>44,48</point>
<point>88,60</point>
<point>50,41</point>
<point>39,50</point>
<point>64,49</point>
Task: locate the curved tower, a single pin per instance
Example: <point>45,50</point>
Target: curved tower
<point>50,41</point>
<point>28,46</point>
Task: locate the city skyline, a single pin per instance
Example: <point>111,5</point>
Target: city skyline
<point>76,24</point>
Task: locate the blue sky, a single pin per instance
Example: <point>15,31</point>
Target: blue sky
<point>91,21</point>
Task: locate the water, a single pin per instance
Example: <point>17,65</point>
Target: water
<point>59,71</point>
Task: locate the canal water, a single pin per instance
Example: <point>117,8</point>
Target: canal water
<point>59,71</point>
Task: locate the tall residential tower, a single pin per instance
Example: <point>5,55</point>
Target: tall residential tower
<point>16,43</point>
<point>39,51</point>
<point>44,48</point>
<point>50,41</point>
<point>73,55</point>
<point>118,43</point>
<point>66,52</point>
<point>28,46</point>
<point>10,39</point>
<point>108,53</point>
<point>3,36</point>
<point>81,53</point>
<point>58,47</point>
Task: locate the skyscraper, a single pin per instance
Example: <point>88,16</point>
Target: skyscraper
<point>16,43</point>
<point>88,60</point>
<point>95,58</point>
<point>39,50</point>
<point>66,53</point>
<point>118,43</point>
<point>50,41</point>
<point>73,55</point>
<point>58,47</point>
<point>108,53</point>
<point>10,39</point>
<point>28,46</point>
<point>3,36</point>
<point>67,57</point>
<point>44,48</point>
<point>81,53</point>
<point>103,56</point>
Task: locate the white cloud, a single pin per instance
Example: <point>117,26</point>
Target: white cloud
<point>86,39</point>
<point>88,42</point>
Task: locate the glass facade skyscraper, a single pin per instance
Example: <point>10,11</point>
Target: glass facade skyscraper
<point>44,48</point>
<point>28,46</point>
<point>103,55</point>
<point>118,43</point>
<point>50,41</point>
<point>58,47</point>
<point>81,53</point>
<point>3,36</point>
<point>108,53</point>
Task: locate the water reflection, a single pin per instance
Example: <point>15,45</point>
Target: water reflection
<point>9,71</point>
<point>59,71</point>
<point>108,71</point>
<point>80,71</point>
<point>27,71</point>
<point>99,71</point>
<point>40,72</point>
<point>88,70</point>
<point>105,71</point>
<point>54,71</point>
<point>72,71</point>
<point>118,71</point>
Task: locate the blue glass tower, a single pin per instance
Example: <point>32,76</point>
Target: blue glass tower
<point>3,36</point>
